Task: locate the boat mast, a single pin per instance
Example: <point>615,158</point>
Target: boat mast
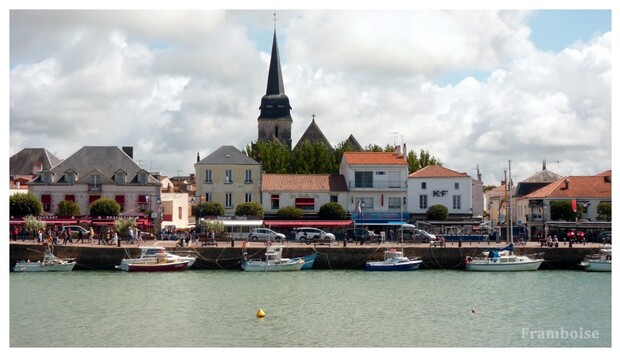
<point>509,183</point>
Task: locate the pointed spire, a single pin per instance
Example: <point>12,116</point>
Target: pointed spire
<point>275,84</point>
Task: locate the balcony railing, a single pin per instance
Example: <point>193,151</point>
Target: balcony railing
<point>94,187</point>
<point>387,184</point>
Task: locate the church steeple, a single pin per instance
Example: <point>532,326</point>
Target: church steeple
<point>275,121</point>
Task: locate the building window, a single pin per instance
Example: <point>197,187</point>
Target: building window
<point>306,204</point>
<point>119,178</point>
<point>228,176</point>
<point>208,176</point>
<point>456,185</point>
<point>142,178</point>
<point>180,212</point>
<point>368,203</point>
<point>248,197</point>
<point>423,202</point>
<point>229,201</point>
<point>94,183</point>
<point>363,178</point>
<point>46,177</point>
<point>208,197</point>
<point>394,203</point>
<point>424,185</point>
<point>456,202</point>
<point>46,201</point>
<point>70,178</point>
<point>275,201</point>
<point>248,176</point>
<point>120,199</point>
<point>70,198</point>
<point>333,199</point>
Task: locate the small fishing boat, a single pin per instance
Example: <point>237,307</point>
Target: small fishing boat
<point>50,262</point>
<point>600,261</point>
<point>156,266</point>
<point>308,261</point>
<point>155,254</point>
<point>394,260</point>
<point>502,259</point>
<point>272,261</point>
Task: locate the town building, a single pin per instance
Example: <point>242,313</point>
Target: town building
<point>377,184</point>
<point>25,165</point>
<point>228,176</point>
<point>437,185</point>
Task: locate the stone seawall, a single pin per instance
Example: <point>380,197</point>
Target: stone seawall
<point>451,257</point>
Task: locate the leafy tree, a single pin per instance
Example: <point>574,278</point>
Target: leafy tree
<point>249,209</point>
<point>373,148</point>
<point>206,209</point>
<point>332,210</point>
<point>486,188</point>
<point>215,226</point>
<point>33,225</point>
<point>122,226</point>
<point>338,152</point>
<point>68,208</point>
<point>105,207</point>
<point>290,212</point>
<point>437,213</point>
<point>24,204</point>
<point>604,211</point>
<point>425,159</point>
<point>274,155</point>
<point>563,211</point>
<point>312,158</point>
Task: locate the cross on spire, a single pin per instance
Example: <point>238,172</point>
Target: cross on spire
<point>274,20</point>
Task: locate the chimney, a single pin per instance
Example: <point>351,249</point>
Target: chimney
<point>566,182</point>
<point>198,157</point>
<point>129,151</point>
<point>405,150</point>
<point>544,164</point>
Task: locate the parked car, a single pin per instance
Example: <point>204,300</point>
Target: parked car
<point>308,233</point>
<point>425,236</point>
<point>264,234</point>
<point>359,234</point>
<point>75,230</point>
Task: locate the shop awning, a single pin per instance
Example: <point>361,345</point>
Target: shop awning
<point>304,202</point>
<point>291,224</point>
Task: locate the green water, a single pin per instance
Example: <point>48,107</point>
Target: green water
<point>345,308</point>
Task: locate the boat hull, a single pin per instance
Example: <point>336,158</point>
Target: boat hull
<point>603,266</point>
<point>381,266</point>
<point>38,267</point>
<point>263,266</point>
<point>308,261</point>
<point>513,266</point>
<point>138,267</point>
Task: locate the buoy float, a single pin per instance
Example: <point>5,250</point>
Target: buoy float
<point>260,313</point>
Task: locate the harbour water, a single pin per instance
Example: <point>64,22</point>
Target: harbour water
<point>316,308</point>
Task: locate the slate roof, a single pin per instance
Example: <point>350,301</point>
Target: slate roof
<point>576,186</point>
<point>436,171</point>
<point>314,134</point>
<point>373,158</point>
<point>228,155</point>
<point>23,162</point>
<point>353,142</point>
<point>304,183</point>
<point>102,160</point>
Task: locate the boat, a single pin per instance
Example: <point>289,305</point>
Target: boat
<point>50,262</point>
<point>394,260</point>
<point>272,261</point>
<point>162,265</point>
<point>600,261</point>
<point>502,259</point>
<point>154,254</point>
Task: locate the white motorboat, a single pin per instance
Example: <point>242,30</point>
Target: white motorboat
<point>50,262</point>
<point>502,259</point>
<point>272,261</point>
<point>155,254</point>
<point>600,261</point>
<point>394,260</point>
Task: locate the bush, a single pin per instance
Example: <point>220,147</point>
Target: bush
<point>249,209</point>
<point>68,208</point>
<point>290,212</point>
<point>437,213</point>
<point>105,207</point>
<point>206,209</point>
<point>24,204</point>
<point>332,210</point>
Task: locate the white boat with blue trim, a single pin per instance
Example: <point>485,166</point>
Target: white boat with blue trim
<point>600,261</point>
<point>272,261</point>
<point>502,259</point>
<point>394,260</point>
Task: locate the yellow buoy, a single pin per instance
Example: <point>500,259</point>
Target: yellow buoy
<point>260,313</point>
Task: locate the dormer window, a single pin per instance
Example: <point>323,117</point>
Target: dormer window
<point>120,177</point>
<point>142,176</point>
<point>70,177</point>
<point>46,177</point>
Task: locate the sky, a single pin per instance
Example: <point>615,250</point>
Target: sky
<point>474,88</point>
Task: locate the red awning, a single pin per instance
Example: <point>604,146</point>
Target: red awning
<point>70,198</point>
<point>142,200</point>
<point>120,199</point>
<point>344,223</point>
<point>46,199</point>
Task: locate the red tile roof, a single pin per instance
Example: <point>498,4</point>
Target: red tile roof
<point>374,158</point>
<point>436,171</point>
<point>307,183</point>
<point>578,186</point>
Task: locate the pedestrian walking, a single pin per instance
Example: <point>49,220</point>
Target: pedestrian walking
<point>80,236</point>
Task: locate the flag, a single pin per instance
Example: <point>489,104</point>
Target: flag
<point>574,205</point>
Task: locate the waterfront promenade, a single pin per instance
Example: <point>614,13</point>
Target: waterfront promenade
<point>333,256</point>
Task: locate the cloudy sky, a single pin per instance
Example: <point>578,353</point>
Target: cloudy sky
<point>474,88</point>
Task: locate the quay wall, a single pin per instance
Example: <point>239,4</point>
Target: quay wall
<point>353,257</point>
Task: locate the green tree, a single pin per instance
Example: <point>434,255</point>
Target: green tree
<point>437,213</point>
<point>249,209</point>
<point>487,188</point>
<point>416,162</point>
<point>340,149</point>
<point>33,225</point>
<point>332,210</point>
<point>563,211</point>
<point>207,209</point>
<point>68,208</point>
<point>24,204</point>
<point>105,207</point>
<point>604,211</point>
<point>122,226</point>
<point>213,225</point>
<point>290,212</point>
<point>312,158</point>
<point>373,148</point>
<point>274,155</point>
